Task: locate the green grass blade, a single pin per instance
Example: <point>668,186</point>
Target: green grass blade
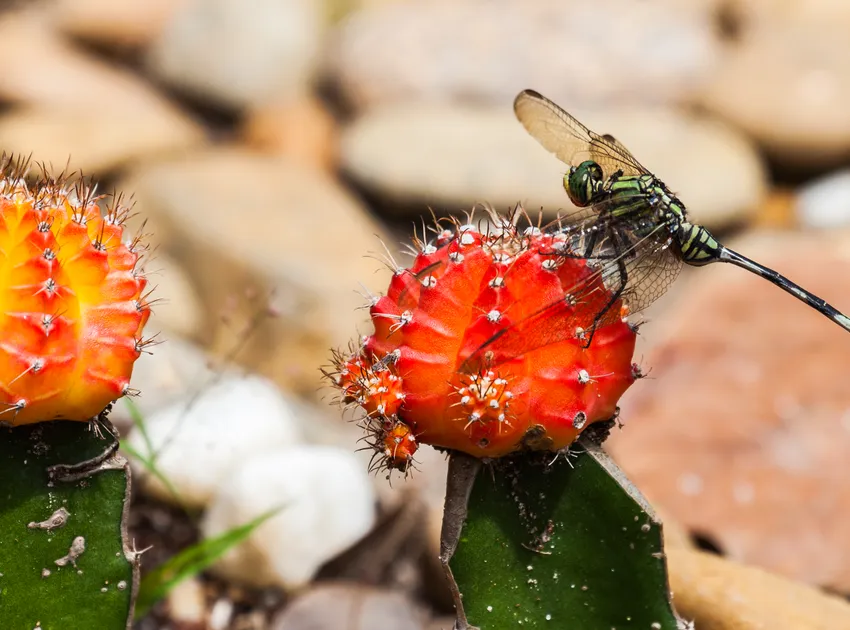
<point>191,561</point>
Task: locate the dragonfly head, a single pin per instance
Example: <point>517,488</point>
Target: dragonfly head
<point>584,182</point>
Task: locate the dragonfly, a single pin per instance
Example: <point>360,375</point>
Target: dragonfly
<point>629,226</point>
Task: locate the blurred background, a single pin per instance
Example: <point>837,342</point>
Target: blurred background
<point>271,146</point>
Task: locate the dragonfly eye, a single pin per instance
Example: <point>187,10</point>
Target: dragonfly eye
<point>584,182</point>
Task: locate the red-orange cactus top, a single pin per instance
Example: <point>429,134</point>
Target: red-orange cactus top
<point>71,303</point>
<point>485,344</point>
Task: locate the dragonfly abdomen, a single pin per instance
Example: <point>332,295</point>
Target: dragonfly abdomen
<point>696,244</point>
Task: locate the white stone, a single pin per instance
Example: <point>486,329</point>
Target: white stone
<point>164,373</point>
<point>201,441</point>
<point>825,202</point>
<point>327,504</point>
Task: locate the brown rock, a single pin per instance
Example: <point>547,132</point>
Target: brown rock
<point>259,233</point>
<point>787,86</point>
<point>39,67</point>
<point>177,308</point>
<point>334,606</point>
<point>742,433</point>
<point>722,595</point>
<point>95,142</point>
<point>129,23</point>
<point>304,131</point>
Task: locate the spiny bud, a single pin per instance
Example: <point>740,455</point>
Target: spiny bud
<point>489,343</point>
<point>72,301</point>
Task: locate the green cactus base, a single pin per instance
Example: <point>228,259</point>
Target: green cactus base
<point>64,559</point>
<point>563,544</point>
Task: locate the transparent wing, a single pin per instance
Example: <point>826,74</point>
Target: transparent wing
<point>569,140</point>
<point>639,268</point>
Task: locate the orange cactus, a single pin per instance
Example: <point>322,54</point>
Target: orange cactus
<point>72,307</point>
<point>467,356</point>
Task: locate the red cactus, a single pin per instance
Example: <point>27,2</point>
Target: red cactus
<point>463,356</point>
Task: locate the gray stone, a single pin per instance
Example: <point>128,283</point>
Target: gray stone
<point>453,156</point>
<point>577,52</point>
<point>239,53</point>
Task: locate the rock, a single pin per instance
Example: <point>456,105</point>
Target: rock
<point>796,109</point>
<point>576,53</point>
<point>73,104</point>
<point>130,23</point>
<point>39,68</point>
<point>778,211</point>
<point>167,372</point>
<point>177,308</point>
<point>327,504</point>
<point>825,202</point>
<point>187,602</point>
<point>814,14</point>
<point>454,156</point>
<point>220,51</point>
<point>93,142</point>
<point>304,131</point>
<point>238,222</point>
<point>723,595</point>
<point>204,438</point>
<point>742,433</point>
<point>350,606</point>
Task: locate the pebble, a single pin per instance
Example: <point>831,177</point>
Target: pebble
<point>218,50</point>
<point>333,606</point>
<point>125,24</point>
<point>717,593</point>
<point>825,202</point>
<point>578,53</point>
<point>787,86</point>
<point>203,439</point>
<point>187,602</point>
<point>327,504</point>
<point>303,130</point>
<point>38,67</point>
<point>245,226</point>
<point>742,432</point>
<point>452,156</point>
<point>177,308</point>
<point>94,143</point>
<point>71,103</point>
<point>165,373</point>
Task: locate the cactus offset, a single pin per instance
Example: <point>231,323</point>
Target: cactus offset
<point>72,307</point>
<point>424,368</point>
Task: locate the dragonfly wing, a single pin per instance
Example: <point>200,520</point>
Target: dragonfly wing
<point>568,139</point>
<point>650,276</point>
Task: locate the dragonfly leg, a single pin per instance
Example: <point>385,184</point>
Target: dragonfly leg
<point>621,286</point>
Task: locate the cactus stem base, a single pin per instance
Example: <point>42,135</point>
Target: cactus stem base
<point>463,470</point>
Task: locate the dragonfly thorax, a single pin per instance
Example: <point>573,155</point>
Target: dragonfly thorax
<point>584,182</point>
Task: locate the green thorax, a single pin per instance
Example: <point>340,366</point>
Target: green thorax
<point>643,206</point>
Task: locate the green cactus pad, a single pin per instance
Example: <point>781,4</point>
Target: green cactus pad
<point>64,559</point>
<point>563,544</point>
